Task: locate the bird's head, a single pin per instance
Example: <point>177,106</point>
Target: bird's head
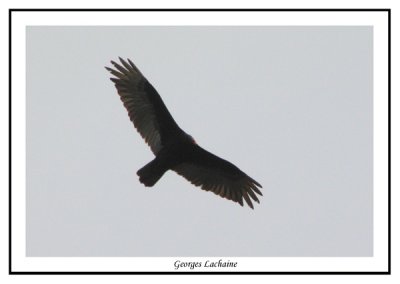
<point>191,139</point>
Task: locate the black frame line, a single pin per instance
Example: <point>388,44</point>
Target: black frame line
<point>11,272</point>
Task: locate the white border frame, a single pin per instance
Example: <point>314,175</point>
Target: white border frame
<point>379,21</point>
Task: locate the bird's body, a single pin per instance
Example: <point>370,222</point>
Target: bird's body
<point>172,154</point>
<point>173,148</point>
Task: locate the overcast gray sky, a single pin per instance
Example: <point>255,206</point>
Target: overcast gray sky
<point>290,106</point>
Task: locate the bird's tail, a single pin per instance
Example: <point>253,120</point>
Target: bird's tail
<point>151,173</point>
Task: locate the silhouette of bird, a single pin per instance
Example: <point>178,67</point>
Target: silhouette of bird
<point>173,148</point>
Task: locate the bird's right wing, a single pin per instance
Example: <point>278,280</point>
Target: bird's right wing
<point>145,107</point>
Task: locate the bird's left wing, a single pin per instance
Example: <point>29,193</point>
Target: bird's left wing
<point>212,173</point>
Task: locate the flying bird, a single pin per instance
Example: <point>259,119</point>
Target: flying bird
<point>173,148</point>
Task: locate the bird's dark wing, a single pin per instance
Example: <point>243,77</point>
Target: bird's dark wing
<point>212,173</point>
<point>145,108</point>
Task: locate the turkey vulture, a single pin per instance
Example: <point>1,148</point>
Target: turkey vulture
<point>174,149</point>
